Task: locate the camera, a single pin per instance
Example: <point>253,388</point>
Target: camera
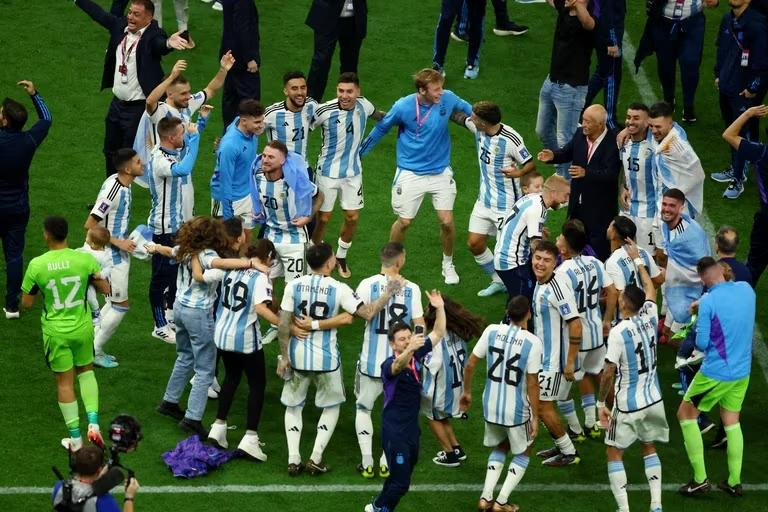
<point>125,436</point>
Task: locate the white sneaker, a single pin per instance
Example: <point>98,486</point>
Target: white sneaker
<point>215,385</point>
<point>213,393</point>
<point>169,318</point>
<point>218,434</point>
<point>217,6</point>
<point>11,315</point>
<point>252,447</point>
<point>165,333</point>
<point>207,1</point>
<point>72,444</point>
<point>270,335</point>
<point>449,273</point>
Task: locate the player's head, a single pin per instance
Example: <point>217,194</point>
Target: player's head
<point>97,237</point>
<point>170,131</point>
<point>593,121</point>
<point>519,310</point>
<point>295,88</point>
<point>392,255</point>
<point>348,90</point>
<point>637,118</point>
<point>726,241</point>
<point>621,228</point>
<point>399,335</point>
<point>179,92</point>
<point>532,183</point>
<point>543,260</point>
<point>234,229</point>
<point>140,14</point>
<point>486,114</point>
<point>320,258</point>
<point>556,191</point>
<point>13,115</point>
<point>709,271</point>
<point>251,117</point>
<point>88,460</point>
<point>55,229</point>
<point>672,204</point>
<point>631,300</point>
<point>128,162</point>
<point>458,319</point>
<point>573,238</point>
<point>262,249</point>
<point>272,159</point>
<point>429,85</point>
<point>660,119</point>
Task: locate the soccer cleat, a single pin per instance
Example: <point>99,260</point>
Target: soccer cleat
<point>343,268</point>
<point>365,472</point>
<point>193,427</point>
<point>471,71</point>
<point>461,37</point>
<point>449,273</point>
<point>731,490</point>
<point>251,447</point>
<point>171,410</point>
<point>316,468</point>
<point>102,361</point>
<point>562,459</point>
<point>492,289</point>
<point>384,471</point>
<point>720,443</point>
<point>734,190</point>
<point>447,459</point>
<point>724,176</point>
<point>94,435</point>
<point>694,488</point>
<point>165,333</point>
<point>548,453</point>
<point>270,336</point>
<point>11,315</point>
<point>217,436</point>
<point>689,116</point>
<point>217,6</point>
<point>460,453</point>
<point>510,28</point>
<point>595,432</point>
<point>72,444</point>
<point>506,507</point>
<point>295,469</point>
<point>484,505</point>
<point>439,68</point>
<point>576,437</point>
<point>705,424</point>
<point>207,1</point>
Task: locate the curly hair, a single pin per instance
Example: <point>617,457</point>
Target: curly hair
<point>198,234</point>
<point>459,320</point>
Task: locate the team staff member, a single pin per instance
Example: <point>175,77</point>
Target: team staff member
<point>423,158</point>
<point>131,68</point>
<point>240,35</point>
<point>16,151</point>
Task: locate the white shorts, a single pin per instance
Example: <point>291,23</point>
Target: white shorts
<point>647,425</point>
<point>434,411</point>
<point>485,221</point>
<point>646,234</point>
<point>553,386</point>
<point>519,436</point>
<point>409,189</point>
<point>329,388</point>
<point>187,199</point>
<point>591,362</point>
<point>367,390</point>
<point>242,208</point>
<point>349,189</point>
<point>290,262</point>
<point>118,280</point>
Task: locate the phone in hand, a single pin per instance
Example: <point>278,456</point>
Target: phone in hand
<point>419,329</point>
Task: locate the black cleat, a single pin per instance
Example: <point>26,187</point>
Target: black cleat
<point>694,488</point>
<point>734,491</point>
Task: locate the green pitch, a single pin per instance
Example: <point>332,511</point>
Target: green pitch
<point>58,47</point>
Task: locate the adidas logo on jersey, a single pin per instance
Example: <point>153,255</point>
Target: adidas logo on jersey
<point>286,123</point>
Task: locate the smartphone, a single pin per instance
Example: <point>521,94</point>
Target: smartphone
<point>419,329</point>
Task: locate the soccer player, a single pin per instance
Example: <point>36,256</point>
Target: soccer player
<point>167,169</point>
<point>404,306</point>
<point>638,408</point>
<point>401,377</point>
<point>724,330</point>
<point>557,325</point>
<point>423,158</point>
<point>230,183</point>
<point>503,159</point>
<point>510,399</point>
<point>589,281</point>
<point>521,230</point>
<point>638,195</point>
<point>289,121</point>
<point>62,276</point>
<point>113,211</point>
<point>316,358</point>
<point>339,172</point>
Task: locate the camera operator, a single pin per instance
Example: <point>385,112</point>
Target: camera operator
<point>90,485</point>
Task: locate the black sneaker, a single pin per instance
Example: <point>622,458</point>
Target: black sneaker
<point>460,453</point>
<point>510,28</point>
<point>171,410</point>
<point>689,116</point>
<point>295,469</point>
<point>193,427</point>
<point>548,453</point>
<point>734,491</point>
<point>316,468</point>
<point>562,459</point>
<point>447,459</point>
<point>694,488</point>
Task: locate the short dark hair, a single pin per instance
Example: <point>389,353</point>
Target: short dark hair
<point>250,107</point>
<point>547,246</point>
<point>233,226</point>
<point>181,79</point>
<point>88,460</point>
<point>15,113</point>
<point>727,239</point>
<point>675,193</point>
<point>527,178</point>
<point>638,106</point>
<point>634,297</point>
<point>291,75</point>
<point>487,111</point>
<point>148,5</point>
<point>122,156</point>
<point>390,251</point>
<point>167,126</point>
<point>575,235</point>
<point>395,328</point>
<point>318,255</point>
<point>625,227</point>
<point>705,264</point>
<point>276,144</point>
<point>518,307</point>
<point>661,109</point>
<point>57,227</point>
<point>263,249</point>
<point>348,77</point>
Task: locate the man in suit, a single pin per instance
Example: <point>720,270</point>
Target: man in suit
<point>345,21</point>
<point>131,68</point>
<point>240,35</point>
<point>594,176</point>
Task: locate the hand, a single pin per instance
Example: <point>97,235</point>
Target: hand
<point>614,51</point>
<point>569,372</point>
<point>577,171</point>
<point>252,66</point>
<point>283,365</point>
<point>125,245</point>
<point>511,172</point>
<point>131,487</point>
<point>256,264</point>
<point>394,285</point>
<point>150,247</point>
<point>435,299</point>
<point>303,322</point>
<point>758,111</point>
<point>205,110</point>
<point>299,333</point>
<point>631,247</point>
<point>570,3</point>
<point>177,42</point>
<point>624,199</point>
<point>417,341</point>
<point>545,233</point>
<point>694,307</point>
<point>227,61</point>
<point>192,129</point>
<point>465,401</point>
<point>622,137</point>
<point>28,86</point>
<point>534,427</point>
<point>604,416</point>
<point>545,156</point>
<point>181,65</point>
<point>747,94</point>
<point>717,84</point>
<point>301,221</point>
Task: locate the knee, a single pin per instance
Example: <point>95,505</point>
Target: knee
<point>324,217</point>
<point>403,224</point>
<point>476,245</point>
<point>446,222</point>
<point>351,216</point>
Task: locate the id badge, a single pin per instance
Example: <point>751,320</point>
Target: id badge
<point>744,58</point>
<point>123,79</point>
<point>678,11</point>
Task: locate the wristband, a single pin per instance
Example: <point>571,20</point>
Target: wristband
<point>600,405</point>
<point>315,325</point>
<point>127,499</point>
<point>639,261</point>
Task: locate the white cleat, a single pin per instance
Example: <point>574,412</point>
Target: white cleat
<point>251,446</point>
<point>492,289</point>
<point>165,333</point>
<point>218,435</point>
<point>217,6</point>
<point>72,444</point>
<point>449,273</point>
<point>11,315</point>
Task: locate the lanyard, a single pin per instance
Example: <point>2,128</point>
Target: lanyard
<point>127,55</point>
<point>419,121</point>
<point>733,33</point>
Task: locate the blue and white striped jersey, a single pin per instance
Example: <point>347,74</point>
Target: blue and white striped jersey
<point>343,132</point>
<point>319,297</point>
<point>443,375</point>
<point>165,215</point>
<point>275,200</point>
<point>632,348</point>
<point>525,221</point>
<point>681,9</point>
<point>405,306</point>
<point>113,211</point>
<point>587,278</point>
<point>237,324</point>
<point>290,128</point>
<point>191,293</point>
<point>622,270</point>
<point>554,303</point>
<point>164,109</point>
<point>512,354</point>
<point>640,177</point>
<point>494,153</point>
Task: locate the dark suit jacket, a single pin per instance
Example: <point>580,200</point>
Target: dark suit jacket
<point>240,32</point>
<point>151,48</point>
<point>323,16</point>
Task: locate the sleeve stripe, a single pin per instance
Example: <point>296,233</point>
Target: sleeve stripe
<point>114,190</point>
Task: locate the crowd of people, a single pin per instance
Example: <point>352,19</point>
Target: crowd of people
<point>581,306</point>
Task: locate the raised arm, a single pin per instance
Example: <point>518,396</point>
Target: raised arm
<point>185,166</point>
<point>439,328</point>
<point>634,253</point>
<point>39,130</point>
<point>585,18</point>
<point>217,82</point>
<point>731,134</point>
<point>159,91</point>
<point>97,14</point>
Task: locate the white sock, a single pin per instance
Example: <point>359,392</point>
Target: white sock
<point>364,429</point>
<point>618,479</point>
<point>383,460</point>
<point>588,406</point>
<point>325,427</point>
<point>485,260</point>
<point>293,426</point>
<point>653,474</point>
<point>514,474</point>
<point>341,252</point>
<point>565,445</point>
<point>111,316</point>
<point>447,260</point>
<point>568,408</point>
<point>93,301</point>
<point>492,474</point>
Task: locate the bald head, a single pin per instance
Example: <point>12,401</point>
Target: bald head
<point>727,241</point>
<point>593,121</point>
